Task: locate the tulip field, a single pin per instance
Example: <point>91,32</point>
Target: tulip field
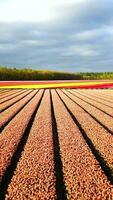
<point>78,84</point>
<point>56,143</point>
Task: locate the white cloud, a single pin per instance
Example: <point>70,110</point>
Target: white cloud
<point>80,50</point>
<point>38,42</point>
<point>93,33</point>
<point>57,33</point>
<point>32,10</point>
<point>8,48</point>
<point>88,34</point>
<point>24,10</point>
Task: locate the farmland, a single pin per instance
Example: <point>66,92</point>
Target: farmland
<point>79,84</point>
<point>56,144</point>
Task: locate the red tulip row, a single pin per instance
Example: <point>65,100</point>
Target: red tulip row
<point>9,103</point>
<point>97,134</point>
<point>12,134</point>
<point>99,115</point>
<point>11,111</point>
<point>34,176</point>
<point>83,176</point>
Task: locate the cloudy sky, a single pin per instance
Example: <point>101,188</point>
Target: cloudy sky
<point>66,35</point>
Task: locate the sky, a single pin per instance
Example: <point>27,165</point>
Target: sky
<point>65,35</point>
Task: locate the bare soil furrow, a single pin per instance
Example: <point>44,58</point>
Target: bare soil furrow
<point>17,93</point>
<point>108,93</point>
<point>5,91</point>
<point>10,92</point>
<point>108,111</point>
<point>56,144</point>
<point>104,119</point>
<point>103,98</point>
<point>60,186</point>
<point>105,93</point>
<point>2,90</point>
<point>11,102</point>
<point>11,112</point>
<point>89,96</point>
<point>35,169</point>
<point>98,135</point>
<point>13,133</point>
<point>83,176</point>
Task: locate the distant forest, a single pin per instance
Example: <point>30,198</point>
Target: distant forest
<point>7,74</point>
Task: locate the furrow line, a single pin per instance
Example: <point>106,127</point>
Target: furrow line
<point>5,91</point>
<point>108,93</point>
<point>60,186</point>
<point>10,113</point>
<point>103,119</point>
<point>12,139</point>
<point>35,169</point>
<point>2,90</point>
<point>17,93</point>
<point>92,116</point>
<point>102,108</point>
<point>97,137</point>
<point>83,176</point>
<point>94,99</point>
<point>9,92</point>
<point>11,102</point>
<point>99,96</point>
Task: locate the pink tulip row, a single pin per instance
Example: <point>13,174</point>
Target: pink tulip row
<point>6,104</point>
<point>34,176</point>
<point>7,94</point>
<point>83,176</point>
<point>97,134</point>
<point>103,95</point>
<point>11,111</point>
<point>99,115</point>
<point>95,102</point>
<point>12,134</point>
<point>11,96</point>
<point>5,91</point>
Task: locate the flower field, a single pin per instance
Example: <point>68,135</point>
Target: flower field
<point>56,143</point>
<point>79,84</point>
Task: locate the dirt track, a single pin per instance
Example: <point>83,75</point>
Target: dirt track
<point>56,144</point>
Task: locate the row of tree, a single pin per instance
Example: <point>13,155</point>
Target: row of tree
<point>30,74</point>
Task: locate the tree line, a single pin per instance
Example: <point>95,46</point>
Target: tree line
<point>8,74</point>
